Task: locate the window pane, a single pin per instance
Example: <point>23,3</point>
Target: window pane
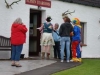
<point>82,33</point>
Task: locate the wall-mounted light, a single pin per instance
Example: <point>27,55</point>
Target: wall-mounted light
<point>39,7</point>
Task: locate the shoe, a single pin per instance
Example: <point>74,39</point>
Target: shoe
<point>55,57</point>
<point>75,59</point>
<point>79,60</point>
<point>67,61</point>
<point>13,64</point>
<point>62,60</point>
<point>59,57</point>
<point>71,60</point>
<point>48,54</point>
<point>18,65</point>
<point>43,55</point>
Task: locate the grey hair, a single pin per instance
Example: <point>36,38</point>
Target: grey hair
<point>18,21</point>
<point>57,24</point>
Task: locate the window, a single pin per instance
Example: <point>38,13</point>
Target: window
<point>83,33</point>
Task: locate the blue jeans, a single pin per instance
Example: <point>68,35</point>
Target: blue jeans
<point>67,41</point>
<point>16,52</point>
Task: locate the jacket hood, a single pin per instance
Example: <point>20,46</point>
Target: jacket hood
<point>15,25</point>
<point>67,24</point>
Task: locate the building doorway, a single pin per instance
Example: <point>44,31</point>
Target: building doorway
<point>34,34</point>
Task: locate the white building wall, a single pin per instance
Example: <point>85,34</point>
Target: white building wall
<point>87,14</point>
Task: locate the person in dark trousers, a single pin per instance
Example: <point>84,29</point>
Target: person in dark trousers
<point>56,38</point>
<point>64,31</point>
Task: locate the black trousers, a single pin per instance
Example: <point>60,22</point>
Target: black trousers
<point>57,49</point>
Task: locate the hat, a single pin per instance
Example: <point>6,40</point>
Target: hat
<point>64,16</point>
<point>76,21</point>
<point>48,18</point>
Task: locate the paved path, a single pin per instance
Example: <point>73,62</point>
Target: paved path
<point>6,69</point>
<point>50,69</point>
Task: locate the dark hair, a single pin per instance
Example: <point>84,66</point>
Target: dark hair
<point>48,19</point>
<point>68,19</point>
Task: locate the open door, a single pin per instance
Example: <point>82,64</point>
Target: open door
<point>34,34</point>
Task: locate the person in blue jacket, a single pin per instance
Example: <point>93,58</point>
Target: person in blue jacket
<point>76,53</point>
<point>56,38</point>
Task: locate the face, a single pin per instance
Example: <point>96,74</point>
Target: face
<point>56,27</point>
<point>64,19</point>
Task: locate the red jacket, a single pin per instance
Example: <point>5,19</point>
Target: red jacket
<point>18,34</point>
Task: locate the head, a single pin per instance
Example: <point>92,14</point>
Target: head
<point>48,19</point>
<point>76,21</point>
<point>18,21</point>
<point>56,26</point>
<point>66,19</point>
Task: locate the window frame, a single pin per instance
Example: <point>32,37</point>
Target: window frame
<point>83,33</point>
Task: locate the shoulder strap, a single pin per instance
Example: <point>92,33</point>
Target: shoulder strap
<point>45,25</point>
<point>56,32</point>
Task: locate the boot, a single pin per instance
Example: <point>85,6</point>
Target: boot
<point>48,54</point>
<point>43,55</point>
<point>75,59</point>
<point>79,60</point>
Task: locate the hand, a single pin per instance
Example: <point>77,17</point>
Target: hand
<point>71,34</point>
<point>38,28</point>
<point>50,26</point>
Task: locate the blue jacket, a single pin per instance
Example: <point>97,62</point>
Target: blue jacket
<point>56,36</point>
<point>77,33</point>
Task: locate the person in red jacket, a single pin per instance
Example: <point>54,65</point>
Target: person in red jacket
<point>18,38</point>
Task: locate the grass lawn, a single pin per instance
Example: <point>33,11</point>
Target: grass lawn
<point>88,67</point>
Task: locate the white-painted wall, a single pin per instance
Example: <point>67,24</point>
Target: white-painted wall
<point>87,14</point>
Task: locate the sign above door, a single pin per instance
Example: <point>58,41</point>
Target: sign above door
<point>43,3</point>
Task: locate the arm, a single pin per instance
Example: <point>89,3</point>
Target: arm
<point>50,28</point>
<point>60,30</point>
<point>41,28</point>
<point>71,31</point>
<point>75,30</point>
<point>23,28</point>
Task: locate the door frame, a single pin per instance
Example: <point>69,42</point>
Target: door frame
<point>39,13</point>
